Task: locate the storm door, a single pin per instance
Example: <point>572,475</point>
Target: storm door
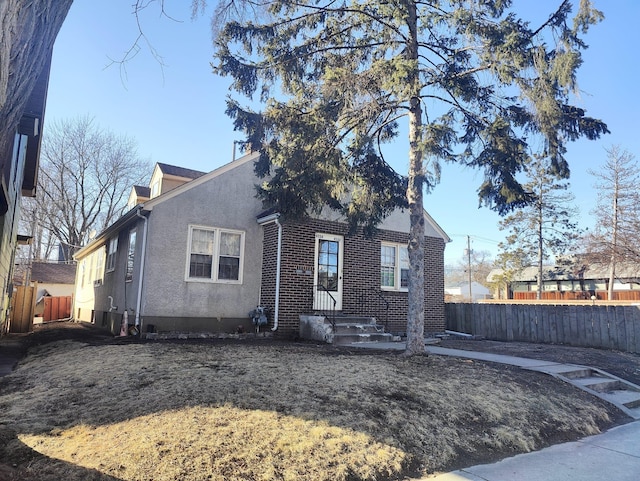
<point>328,272</point>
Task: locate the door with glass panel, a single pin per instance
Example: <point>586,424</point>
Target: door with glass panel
<point>328,272</point>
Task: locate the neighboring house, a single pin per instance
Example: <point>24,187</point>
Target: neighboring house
<point>203,255</point>
<point>461,292</point>
<point>54,281</point>
<point>18,177</point>
<point>576,281</point>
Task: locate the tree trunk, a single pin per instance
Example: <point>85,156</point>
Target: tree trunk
<point>415,317</point>
<point>540,248</point>
<point>28,31</point>
<point>614,242</point>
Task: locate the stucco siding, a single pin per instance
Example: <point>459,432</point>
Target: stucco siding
<point>226,202</point>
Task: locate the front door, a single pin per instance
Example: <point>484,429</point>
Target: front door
<point>328,272</point>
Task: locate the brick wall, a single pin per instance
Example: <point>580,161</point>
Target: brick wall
<point>361,276</point>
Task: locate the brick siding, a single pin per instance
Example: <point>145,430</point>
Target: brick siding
<point>361,276</point>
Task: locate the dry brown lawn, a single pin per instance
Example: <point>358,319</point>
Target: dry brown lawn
<point>265,410</point>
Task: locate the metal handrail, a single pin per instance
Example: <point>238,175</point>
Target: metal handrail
<point>364,302</point>
<point>330,309</point>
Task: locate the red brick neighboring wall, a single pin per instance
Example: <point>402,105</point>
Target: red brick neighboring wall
<point>361,276</point>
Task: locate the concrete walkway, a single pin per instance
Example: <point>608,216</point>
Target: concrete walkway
<point>614,454</point>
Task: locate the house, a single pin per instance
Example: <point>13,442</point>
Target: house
<point>19,160</point>
<point>569,281</point>
<point>461,292</point>
<point>203,255</point>
<point>56,279</point>
<point>55,284</point>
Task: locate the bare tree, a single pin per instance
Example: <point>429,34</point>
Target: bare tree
<point>475,265</point>
<point>614,239</point>
<point>86,176</point>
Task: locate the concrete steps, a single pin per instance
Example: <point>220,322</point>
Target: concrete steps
<point>610,388</point>
<point>348,329</point>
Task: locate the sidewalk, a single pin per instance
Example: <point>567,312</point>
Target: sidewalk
<point>614,454</point>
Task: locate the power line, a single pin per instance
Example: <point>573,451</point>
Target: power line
<point>474,237</point>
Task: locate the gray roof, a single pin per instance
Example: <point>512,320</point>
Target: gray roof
<point>180,171</point>
<point>50,273</point>
<point>142,191</point>
<point>572,272</point>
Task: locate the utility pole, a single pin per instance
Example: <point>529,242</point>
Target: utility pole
<point>469,266</point>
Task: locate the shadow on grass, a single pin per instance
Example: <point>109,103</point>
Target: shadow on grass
<point>23,463</point>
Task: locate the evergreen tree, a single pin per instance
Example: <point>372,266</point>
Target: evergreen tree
<point>472,82</point>
<point>544,227</point>
<point>508,265</point>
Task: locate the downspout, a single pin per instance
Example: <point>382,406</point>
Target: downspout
<point>143,251</point>
<point>278,260</point>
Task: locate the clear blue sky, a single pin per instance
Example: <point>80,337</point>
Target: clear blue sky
<point>176,112</point>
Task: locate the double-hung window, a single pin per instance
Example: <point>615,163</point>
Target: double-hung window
<point>215,254</point>
<point>131,255</point>
<point>394,266</point>
<point>99,260</point>
<point>112,249</point>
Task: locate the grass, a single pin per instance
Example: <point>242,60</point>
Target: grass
<point>265,410</point>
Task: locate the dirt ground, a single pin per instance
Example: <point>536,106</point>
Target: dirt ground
<point>622,364</point>
<point>417,415</point>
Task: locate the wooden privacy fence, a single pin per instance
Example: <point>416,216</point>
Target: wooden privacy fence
<point>608,326</point>
<point>23,303</point>
<point>56,308</point>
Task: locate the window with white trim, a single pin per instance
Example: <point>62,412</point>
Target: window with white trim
<point>82,272</point>
<point>131,255</point>
<point>99,259</point>
<point>394,266</point>
<point>215,254</point>
<point>155,189</point>
<point>112,249</point>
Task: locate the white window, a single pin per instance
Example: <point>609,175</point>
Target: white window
<point>131,254</point>
<point>394,266</point>
<point>215,254</point>
<point>99,259</point>
<point>82,276</point>
<point>90,262</point>
<point>155,189</point>
<point>112,249</point>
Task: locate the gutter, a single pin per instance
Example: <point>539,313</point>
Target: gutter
<point>278,260</point>
<point>267,220</point>
<point>143,252</point>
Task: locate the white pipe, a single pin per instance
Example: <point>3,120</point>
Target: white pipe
<point>141,272</point>
<point>277,302</point>
<point>112,307</point>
